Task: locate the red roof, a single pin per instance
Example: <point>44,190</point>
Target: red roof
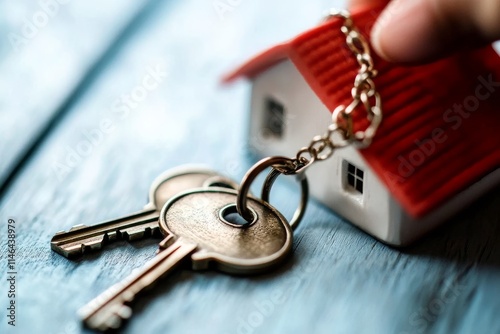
<point>440,132</point>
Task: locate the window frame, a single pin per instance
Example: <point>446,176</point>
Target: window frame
<point>273,122</point>
<point>354,178</point>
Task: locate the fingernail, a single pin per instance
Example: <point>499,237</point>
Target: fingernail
<point>403,32</point>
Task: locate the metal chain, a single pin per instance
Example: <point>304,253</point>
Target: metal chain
<point>340,133</point>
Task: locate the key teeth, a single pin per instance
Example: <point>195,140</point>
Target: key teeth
<point>110,236</point>
<point>96,243</point>
<point>138,232</point>
<point>67,253</point>
<point>125,312</point>
<point>133,234</point>
<point>77,249</point>
<point>93,244</point>
<point>112,321</point>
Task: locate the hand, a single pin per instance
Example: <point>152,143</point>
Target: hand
<point>417,31</point>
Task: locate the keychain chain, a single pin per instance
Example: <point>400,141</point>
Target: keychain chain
<point>339,134</point>
<point>364,92</point>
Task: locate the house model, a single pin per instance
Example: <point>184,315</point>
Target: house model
<point>436,151</point>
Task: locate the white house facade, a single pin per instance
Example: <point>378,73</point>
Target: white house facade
<point>286,114</point>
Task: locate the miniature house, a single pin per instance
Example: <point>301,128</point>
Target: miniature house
<point>436,151</point>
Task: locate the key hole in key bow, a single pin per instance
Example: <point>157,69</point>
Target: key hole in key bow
<point>221,184</point>
<point>229,215</point>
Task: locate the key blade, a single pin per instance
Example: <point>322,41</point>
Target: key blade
<point>81,239</point>
<point>110,309</point>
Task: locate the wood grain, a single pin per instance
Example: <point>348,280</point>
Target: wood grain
<point>50,52</point>
<point>339,280</point>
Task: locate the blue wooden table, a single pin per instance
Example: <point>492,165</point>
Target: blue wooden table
<point>79,145</point>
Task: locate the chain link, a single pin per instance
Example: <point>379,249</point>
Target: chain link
<point>341,132</point>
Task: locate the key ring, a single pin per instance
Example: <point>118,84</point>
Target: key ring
<point>304,195</point>
<point>281,165</point>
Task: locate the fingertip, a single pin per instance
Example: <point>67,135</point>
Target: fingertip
<point>376,43</point>
<point>404,33</point>
<point>353,5</point>
<point>383,30</point>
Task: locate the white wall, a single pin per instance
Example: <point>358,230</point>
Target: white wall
<point>379,213</point>
<point>305,118</point>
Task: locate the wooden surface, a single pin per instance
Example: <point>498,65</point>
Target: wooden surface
<point>57,92</point>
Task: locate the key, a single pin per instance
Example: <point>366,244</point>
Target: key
<point>199,230</point>
<point>81,238</point>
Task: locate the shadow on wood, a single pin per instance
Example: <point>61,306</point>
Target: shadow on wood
<point>471,237</point>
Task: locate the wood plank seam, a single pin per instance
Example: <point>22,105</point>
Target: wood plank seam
<point>91,75</point>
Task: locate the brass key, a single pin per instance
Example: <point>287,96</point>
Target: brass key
<point>80,239</point>
<point>198,229</point>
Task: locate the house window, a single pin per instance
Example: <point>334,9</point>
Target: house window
<point>274,115</point>
<point>355,177</point>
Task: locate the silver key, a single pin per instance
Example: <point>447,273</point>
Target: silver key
<point>197,229</point>
<point>80,239</point>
